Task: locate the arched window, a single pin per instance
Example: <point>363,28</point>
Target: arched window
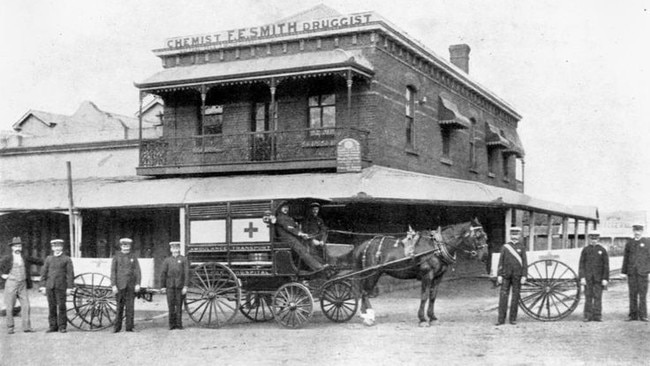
<point>410,117</point>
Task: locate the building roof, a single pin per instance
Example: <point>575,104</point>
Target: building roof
<point>322,12</point>
<point>376,183</point>
<point>308,62</point>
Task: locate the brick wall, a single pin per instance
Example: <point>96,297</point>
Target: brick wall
<point>378,105</point>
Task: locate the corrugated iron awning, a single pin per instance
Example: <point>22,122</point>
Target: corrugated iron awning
<point>306,63</point>
<point>376,184</point>
<point>450,117</point>
<point>515,147</point>
<point>494,139</point>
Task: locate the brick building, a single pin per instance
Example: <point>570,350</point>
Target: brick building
<point>345,109</point>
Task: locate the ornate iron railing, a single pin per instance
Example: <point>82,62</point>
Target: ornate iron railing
<point>293,145</point>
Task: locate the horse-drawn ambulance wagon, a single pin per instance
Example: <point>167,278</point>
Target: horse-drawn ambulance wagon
<point>238,265</point>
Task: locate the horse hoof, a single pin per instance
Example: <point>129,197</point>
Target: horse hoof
<point>424,324</point>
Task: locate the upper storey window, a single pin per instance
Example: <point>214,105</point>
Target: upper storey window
<point>322,113</point>
<point>212,120</point>
<point>410,117</point>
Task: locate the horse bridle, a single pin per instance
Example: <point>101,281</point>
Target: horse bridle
<point>472,233</point>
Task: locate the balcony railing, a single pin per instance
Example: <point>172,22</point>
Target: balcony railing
<point>251,147</point>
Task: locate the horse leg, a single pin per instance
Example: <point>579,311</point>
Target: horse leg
<point>367,313</point>
<point>424,296</point>
<point>432,298</point>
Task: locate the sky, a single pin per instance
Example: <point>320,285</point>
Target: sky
<point>578,71</point>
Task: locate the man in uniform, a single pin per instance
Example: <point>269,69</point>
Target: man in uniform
<point>511,273</point>
<point>57,279</point>
<point>14,269</point>
<point>594,276</point>
<point>636,266</point>
<point>288,232</point>
<point>175,277</point>
<point>315,228</point>
<point>125,280</point>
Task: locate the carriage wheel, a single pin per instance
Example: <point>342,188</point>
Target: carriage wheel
<point>292,305</point>
<point>551,292</point>
<point>213,296</point>
<point>257,307</point>
<point>339,301</point>
<point>92,306</point>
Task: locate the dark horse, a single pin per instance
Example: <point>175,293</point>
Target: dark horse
<point>379,251</point>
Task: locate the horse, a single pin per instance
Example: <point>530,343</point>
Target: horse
<point>381,251</point>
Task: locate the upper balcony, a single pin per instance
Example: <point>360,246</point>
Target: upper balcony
<point>291,150</point>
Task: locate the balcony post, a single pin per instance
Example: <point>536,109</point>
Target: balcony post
<point>274,121</point>
<point>349,83</point>
<point>141,97</point>
<point>203,95</point>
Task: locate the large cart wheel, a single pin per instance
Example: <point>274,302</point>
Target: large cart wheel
<point>292,305</point>
<point>213,296</point>
<point>338,301</point>
<point>551,292</point>
<point>92,305</point>
<point>256,306</point>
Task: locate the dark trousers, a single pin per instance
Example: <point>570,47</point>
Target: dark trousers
<point>303,252</point>
<point>175,306</point>
<point>125,298</point>
<point>638,289</point>
<point>593,300</point>
<point>57,308</point>
<point>513,282</point>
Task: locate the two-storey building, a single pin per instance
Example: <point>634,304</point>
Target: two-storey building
<point>344,109</point>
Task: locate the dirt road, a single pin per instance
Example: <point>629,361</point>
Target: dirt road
<point>464,335</point>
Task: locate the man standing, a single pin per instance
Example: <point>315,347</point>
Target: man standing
<point>14,269</point>
<point>288,232</point>
<point>636,266</point>
<point>594,276</point>
<point>315,228</point>
<point>175,277</point>
<point>511,273</point>
<point>57,279</point>
<point>125,280</point>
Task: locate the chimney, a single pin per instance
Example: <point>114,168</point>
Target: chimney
<point>459,56</point>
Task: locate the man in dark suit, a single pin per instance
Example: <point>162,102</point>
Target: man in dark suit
<point>315,228</point>
<point>125,280</point>
<point>511,274</point>
<point>57,279</point>
<point>594,276</point>
<point>14,269</point>
<point>175,277</point>
<point>287,230</point>
<point>636,266</point>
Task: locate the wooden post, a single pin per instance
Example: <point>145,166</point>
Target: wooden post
<point>182,237</point>
<point>549,232</point>
<point>274,121</point>
<point>203,96</point>
<point>70,209</point>
<point>531,231</point>
<point>508,223</point>
<point>349,83</point>
<point>576,244</point>
<point>565,232</point>
<point>586,231</point>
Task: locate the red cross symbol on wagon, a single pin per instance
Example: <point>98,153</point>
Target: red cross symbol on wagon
<point>251,229</point>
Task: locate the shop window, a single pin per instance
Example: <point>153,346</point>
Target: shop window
<point>446,142</point>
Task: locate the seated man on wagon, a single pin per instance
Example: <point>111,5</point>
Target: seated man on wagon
<point>287,230</point>
<point>315,228</point>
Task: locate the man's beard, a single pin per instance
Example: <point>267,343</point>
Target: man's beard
<point>18,251</point>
